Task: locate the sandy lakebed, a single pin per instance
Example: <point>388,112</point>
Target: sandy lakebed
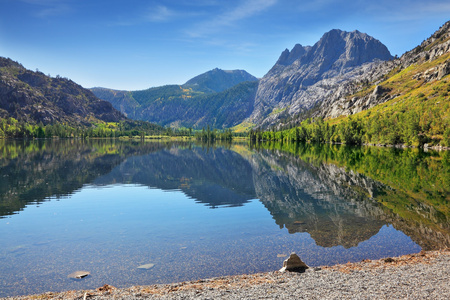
<point>424,275</point>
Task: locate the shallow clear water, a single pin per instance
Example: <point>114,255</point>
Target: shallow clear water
<point>192,212</point>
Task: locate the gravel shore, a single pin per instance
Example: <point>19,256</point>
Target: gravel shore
<point>425,275</point>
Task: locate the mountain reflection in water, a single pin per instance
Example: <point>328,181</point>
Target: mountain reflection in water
<point>347,199</point>
<point>321,190</point>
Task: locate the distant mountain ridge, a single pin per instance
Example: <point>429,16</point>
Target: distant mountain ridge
<point>217,98</point>
<point>343,73</point>
<point>298,81</point>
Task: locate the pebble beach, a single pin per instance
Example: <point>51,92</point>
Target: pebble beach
<point>425,275</point>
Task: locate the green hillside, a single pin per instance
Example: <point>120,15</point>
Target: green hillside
<point>421,114</point>
<point>218,98</point>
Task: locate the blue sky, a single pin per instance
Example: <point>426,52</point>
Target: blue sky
<point>137,44</point>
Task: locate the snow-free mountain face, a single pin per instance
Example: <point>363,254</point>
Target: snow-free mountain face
<point>291,85</point>
<point>218,80</point>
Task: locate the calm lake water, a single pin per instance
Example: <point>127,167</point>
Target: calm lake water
<point>195,211</point>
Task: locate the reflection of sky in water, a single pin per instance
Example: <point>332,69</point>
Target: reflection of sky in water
<point>110,230</point>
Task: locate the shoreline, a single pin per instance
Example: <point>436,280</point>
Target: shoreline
<point>424,275</point>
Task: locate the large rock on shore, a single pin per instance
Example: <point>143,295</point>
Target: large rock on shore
<point>294,264</point>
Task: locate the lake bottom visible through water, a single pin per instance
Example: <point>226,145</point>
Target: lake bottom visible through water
<point>110,230</point>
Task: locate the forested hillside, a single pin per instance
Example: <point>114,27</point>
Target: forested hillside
<point>180,106</point>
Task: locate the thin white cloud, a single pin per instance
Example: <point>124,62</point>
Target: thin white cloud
<point>53,11</point>
<point>48,8</point>
<point>160,13</point>
<point>246,9</point>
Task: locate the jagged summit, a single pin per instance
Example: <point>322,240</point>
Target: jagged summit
<point>288,57</point>
<point>424,65</point>
<point>336,50</point>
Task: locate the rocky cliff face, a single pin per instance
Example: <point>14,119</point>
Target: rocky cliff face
<point>305,75</point>
<point>34,97</point>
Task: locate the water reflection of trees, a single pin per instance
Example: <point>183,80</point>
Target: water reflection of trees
<point>33,170</point>
<point>339,195</point>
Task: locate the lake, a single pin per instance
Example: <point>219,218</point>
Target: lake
<point>190,211</point>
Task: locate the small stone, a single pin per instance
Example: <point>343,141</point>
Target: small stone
<point>146,266</point>
<point>294,264</point>
<point>79,274</point>
<point>106,288</point>
<point>299,223</point>
<point>281,255</point>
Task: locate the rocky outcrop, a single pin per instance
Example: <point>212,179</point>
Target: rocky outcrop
<point>332,85</point>
<point>337,76</point>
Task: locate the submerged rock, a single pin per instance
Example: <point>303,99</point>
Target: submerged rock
<point>294,264</point>
<point>146,266</point>
<point>79,274</point>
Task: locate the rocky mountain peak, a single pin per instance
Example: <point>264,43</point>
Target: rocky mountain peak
<point>286,88</point>
<point>338,50</point>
